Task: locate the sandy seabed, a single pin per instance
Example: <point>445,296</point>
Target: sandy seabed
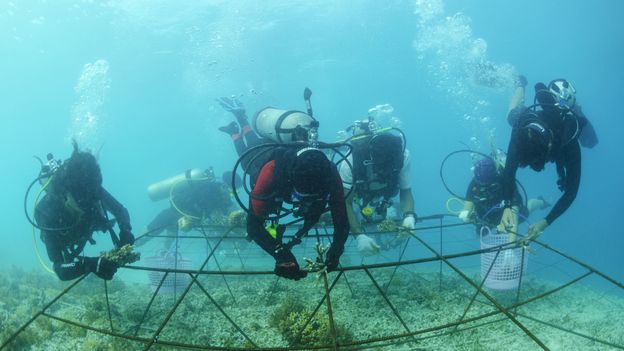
<point>268,312</point>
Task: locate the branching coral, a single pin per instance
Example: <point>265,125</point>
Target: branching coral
<point>237,219</point>
<point>290,319</point>
<point>123,255</point>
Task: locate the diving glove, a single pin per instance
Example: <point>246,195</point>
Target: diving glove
<point>536,230</point>
<point>185,223</point>
<point>333,257</point>
<point>286,265</point>
<point>509,221</point>
<point>521,81</point>
<point>289,270</point>
<point>231,104</point>
<point>465,216</point>
<point>366,245</point>
<point>102,267</point>
<point>409,221</point>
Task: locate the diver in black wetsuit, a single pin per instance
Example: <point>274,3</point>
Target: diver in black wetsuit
<point>485,193</point>
<point>190,204</point>
<point>74,207</point>
<point>551,134</point>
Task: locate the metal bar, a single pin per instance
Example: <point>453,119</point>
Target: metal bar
<point>486,295</point>
<point>440,271</point>
<point>613,281</point>
<point>396,313</point>
<point>318,306</point>
<point>110,318</point>
<point>179,301</point>
<point>322,347</point>
<point>149,304</point>
<point>476,293</point>
<point>219,267</point>
<point>349,268</point>
<point>330,314</point>
<point>396,267</point>
<point>225,314</point>
<point>339,265</point>
<point>621,347</point>
<point>42,311</point>
<point>521,274</point>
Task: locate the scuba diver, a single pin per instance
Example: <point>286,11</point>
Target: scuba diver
<point>76,205</point>
<point>564,95</point>
<point>194,196</point>
<point>289,170</point>
<point>552,133</point>
<point>381,171</point>
<point>306,179</point>
<point>484,195</point>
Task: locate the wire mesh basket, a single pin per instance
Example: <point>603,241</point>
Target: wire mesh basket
<point>502,272</point>
<point>174,282</point>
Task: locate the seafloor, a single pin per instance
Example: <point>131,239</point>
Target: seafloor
<point>262,311</point>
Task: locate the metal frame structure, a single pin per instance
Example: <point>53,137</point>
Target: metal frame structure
<point>407,335</point>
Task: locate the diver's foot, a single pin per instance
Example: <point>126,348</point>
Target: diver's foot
<point>241,118</point>
<point>230,129</point>
<point>545,204</point>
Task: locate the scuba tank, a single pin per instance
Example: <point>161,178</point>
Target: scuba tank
<point>287,129</point>
<point>282,126</point>
<point>162,189</point>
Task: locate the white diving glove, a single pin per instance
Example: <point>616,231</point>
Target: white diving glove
<point>464,215</point>
<point>366,245</point>
<point>409,222</point>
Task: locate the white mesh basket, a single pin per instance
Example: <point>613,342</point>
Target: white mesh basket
<point>175,282</point>
<point>507,269</point>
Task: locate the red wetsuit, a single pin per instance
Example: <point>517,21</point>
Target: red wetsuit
<point>267,198</point>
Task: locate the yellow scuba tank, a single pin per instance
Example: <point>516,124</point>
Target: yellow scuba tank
<point>280,125</point>
<point>162,189</point>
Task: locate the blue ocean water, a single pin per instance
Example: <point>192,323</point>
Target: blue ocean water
<point>136,82</point>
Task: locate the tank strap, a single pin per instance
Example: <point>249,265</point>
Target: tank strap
<point>280,120</point>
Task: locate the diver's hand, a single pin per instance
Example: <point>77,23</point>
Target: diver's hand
<point>286,265</point>
<point>521,81</point>
<point>289,270</point>
<point>231,104</point>
<point>409,221</point>
<point>509,221</point>
<point>535,230</point>
<point>102,267</point>
<point>466,216</point>
<point>333,257</point>
<point>366,245</point>
<point>185,223</point>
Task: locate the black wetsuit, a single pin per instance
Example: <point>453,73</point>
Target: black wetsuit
<point>65,247</point>
<point>565,153</point>
<point>487,199</point>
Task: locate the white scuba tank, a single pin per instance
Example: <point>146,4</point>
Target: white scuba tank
<point>162,189</point>
<point>279,125</point>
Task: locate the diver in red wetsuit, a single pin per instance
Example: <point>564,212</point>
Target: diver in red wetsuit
<point>305,178</point>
